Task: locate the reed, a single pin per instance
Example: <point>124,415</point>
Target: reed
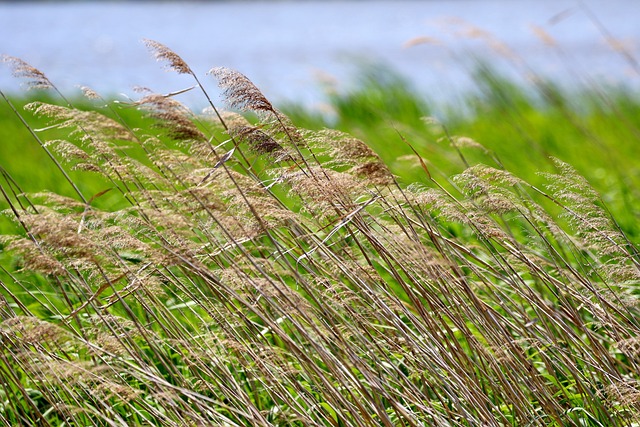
<point>254,273</point>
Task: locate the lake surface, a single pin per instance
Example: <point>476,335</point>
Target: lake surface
<point>289,48</point>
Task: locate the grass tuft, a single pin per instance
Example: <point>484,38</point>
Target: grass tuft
<point>217,269</point>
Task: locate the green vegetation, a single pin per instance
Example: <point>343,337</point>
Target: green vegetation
<point>520,129</point>
<point>476,268</point>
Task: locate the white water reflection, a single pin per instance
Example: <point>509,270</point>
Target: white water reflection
<point>287,47</point>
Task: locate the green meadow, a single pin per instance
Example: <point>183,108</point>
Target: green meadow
<point>517,127</point>
<point>390,263</point>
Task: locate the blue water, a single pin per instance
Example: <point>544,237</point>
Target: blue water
<point>291,48</point>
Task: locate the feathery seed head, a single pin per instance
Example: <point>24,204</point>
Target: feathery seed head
<point>90,93</point>
<point>35,78</point>
<point>258,140</point>
<point>173,116</point>
<point>163,53</point>
<point>374,172</point>
<point>240,92</point>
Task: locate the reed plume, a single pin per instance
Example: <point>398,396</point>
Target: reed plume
<point>240,92</point>
<point>36,79</point>
<point>163,53</point>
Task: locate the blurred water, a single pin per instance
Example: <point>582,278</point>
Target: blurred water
<point>288,47</point>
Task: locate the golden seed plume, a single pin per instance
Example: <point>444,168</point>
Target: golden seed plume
<point>240,92</point>
<point>258,140</point>
<point>90,93</point>
<point>35,78</point>
<point>163,53</point>
<point>173,116</point>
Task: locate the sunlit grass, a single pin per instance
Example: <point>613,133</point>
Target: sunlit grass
<point>459,270</point>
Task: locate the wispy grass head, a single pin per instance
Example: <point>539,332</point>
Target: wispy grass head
<point>163,53</point>
<point>36,79</point>
<point>240,92</point>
